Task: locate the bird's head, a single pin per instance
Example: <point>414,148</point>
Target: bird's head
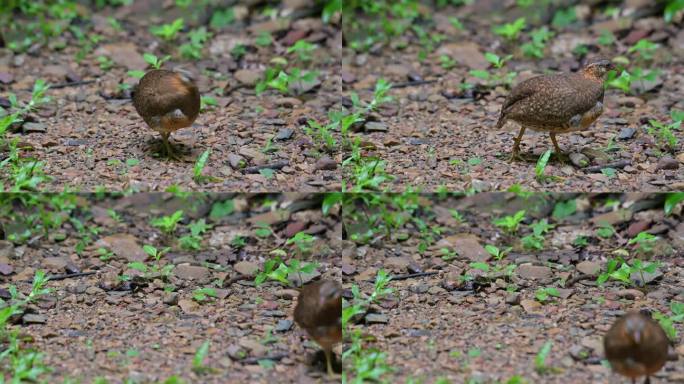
<point>329,292</point>
<point>598,69</point>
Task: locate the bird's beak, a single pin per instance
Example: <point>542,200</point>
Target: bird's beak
<point>637,337</point>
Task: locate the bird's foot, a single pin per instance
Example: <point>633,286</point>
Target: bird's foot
<point>561,157</point>
<point>515,156</point>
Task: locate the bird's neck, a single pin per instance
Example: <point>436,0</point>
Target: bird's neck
<point>591,75</point>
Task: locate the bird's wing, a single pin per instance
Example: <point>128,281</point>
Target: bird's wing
<point>556,99</point>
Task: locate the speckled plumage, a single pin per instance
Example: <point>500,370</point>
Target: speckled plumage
<point>558,103</point>
<point>167,101</point>
<point>319,313</point>
<point>636,346</point>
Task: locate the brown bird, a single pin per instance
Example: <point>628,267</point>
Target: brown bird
<point>167,101</point>
<point>319,312</point>
<point>557,103</point>
<point>636,345</point>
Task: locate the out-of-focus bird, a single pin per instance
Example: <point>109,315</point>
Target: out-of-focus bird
<point>319,312</point>
<point>557,103</point>
<point>167,101</point>
<point>636,345</point>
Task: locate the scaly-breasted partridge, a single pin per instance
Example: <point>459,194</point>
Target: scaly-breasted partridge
<point>557,103</point>
<point>167,101</point>
<point>636,345</point>
<point>319,312</point>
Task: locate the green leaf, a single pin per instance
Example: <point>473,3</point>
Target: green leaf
<point>672,200</point>
<point>564,209</point>
<point>222,209</point>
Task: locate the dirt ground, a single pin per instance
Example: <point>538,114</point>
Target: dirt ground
<point>490,327</point>
<point>437,134</point>
<point>90,136</point>
<point>100,326</point>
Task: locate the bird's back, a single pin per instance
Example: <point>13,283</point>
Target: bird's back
<point>310,312</point>
<point>551,101</point>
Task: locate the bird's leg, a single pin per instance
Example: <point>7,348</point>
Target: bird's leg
<point>328,361</point>
<point>559,153</point>
<point>648,380</point>
<point>515,152</point>
<point>167,146</point>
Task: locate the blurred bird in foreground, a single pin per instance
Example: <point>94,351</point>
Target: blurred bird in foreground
<point>319,312</point>
<point>636,345</point>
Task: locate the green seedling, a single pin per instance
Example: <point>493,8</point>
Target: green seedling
<point>644,242</point>
<point>167,224</point>
<point>193,49</point>
<point>540,167</point>
<point>278,270</point>
<point>303,243</point>
<point>564,209</point>
<point>672,8</point>
<point>667,322</point>
<point>203,294</point>
<point>535,48</point>
<point>262,230</point>
<point>664,134</point>
<point>510,223</point>
<point>645,49</point>
<point>580,242</point>
<point>607,38</point>
<point>105,63</point>
<point>446,62</point>
<point>605,231</point>
<point>322,134</point>
<point>511,31</point>
<point>620,270</point>
<point>222,18</point>
<point>540,360</point>
<point>264,39</point>
<point>672,200</point>
<point>295,82</point>
<point>448,254</point>
<point>238,242</point>
<point>154,61</point>
<point>221,209</point>
<point>303,50</point>
<point>198,360</point>
<point>199,167</point>
<point>495,60</point>
<point>457,215</point>
<point>168,32</point>
<point>543,294</point>
<point>564,17</point>
<point>497,253</point>
<point>105,254</point>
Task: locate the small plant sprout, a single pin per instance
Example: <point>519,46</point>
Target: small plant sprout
<point>540,167</point>
<point>511,31</point>
<point>543,294</point>
<point>199,167</point>
<point>167,224</point>
<point>203,294</point>
<point>495,60</point>
<point>540,360</point>
<point>667,322</point>
<point>198,360</point>
<point>278,270</point>
<point>168,32</point>
<point>154,61</point>
<point>620,270</point>
<point>303,50</point>
<point>644,242</point>
<point>303,243</point>
<point>497,253</point>
<point>510,223</point>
